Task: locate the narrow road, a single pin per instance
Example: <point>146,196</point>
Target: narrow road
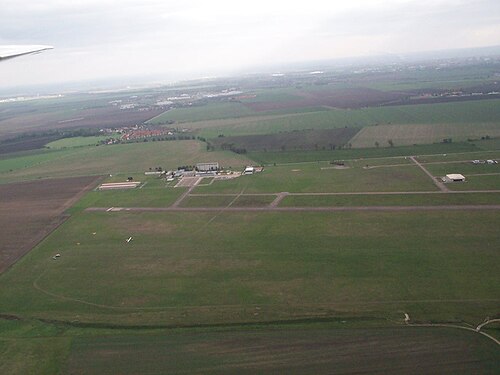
<point>439,184</point>
<point>181,198</point>
<point>409,324</point>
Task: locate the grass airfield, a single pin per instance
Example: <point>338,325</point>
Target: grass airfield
<point>305,267</point>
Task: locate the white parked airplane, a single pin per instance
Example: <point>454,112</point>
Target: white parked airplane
<point>9,52</point>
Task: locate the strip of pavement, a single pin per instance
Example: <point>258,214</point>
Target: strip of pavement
<point>297,209</point>
<point>439,184</point>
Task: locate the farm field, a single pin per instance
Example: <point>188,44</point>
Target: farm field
<point>474,112</point>
<point>296,140</point>
<point>30,211</point>
<point>76,142</point>
<point>403,135</point>
<point>99,117</point>
<point>122,159</point>
<point>205,112</point>
<point>354,264</point>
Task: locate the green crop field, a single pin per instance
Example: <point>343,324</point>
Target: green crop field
<point>402,135</point>
<point>469,113</point>
<point>122,158</point>
<point>76,142</point>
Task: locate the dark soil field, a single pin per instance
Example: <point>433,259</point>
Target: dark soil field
<point>27,144</point>
<point>29,211</point>
<point>295,140</point>
<point>289,351</point>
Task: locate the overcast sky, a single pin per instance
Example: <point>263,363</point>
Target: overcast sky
<point>94,39</point>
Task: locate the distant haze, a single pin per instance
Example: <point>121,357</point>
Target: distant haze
<point>97,39</point>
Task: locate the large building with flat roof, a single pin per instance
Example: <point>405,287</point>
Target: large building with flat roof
<point>206,167</point>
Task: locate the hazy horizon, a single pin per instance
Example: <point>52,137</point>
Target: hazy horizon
<point>97,40</point>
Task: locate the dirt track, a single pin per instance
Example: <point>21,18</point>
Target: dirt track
<point>30,211</point>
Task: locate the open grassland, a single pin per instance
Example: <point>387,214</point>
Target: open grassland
<point>122,158</point>
<point>325,177</point>
<point>403,135</point>
<point>191,268</point>
<point>487,182</point>
<point>462,157</point>
<point>291,351</point>
<point>391,200</point>
<point>466,168</point>
<point>235,200</point>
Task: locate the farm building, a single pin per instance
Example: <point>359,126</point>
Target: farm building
<point>204,167</point>
<point>455,177</point>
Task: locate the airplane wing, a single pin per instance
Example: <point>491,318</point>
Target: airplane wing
<point>9,52</point>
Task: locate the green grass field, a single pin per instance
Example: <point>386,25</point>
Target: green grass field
<point>491,182</point>
<point>193,268</point>
<point>76,142</point>
<point>113,159</point>
<point>323,177</point>
<point>391,200</point>
<point>281,157</point>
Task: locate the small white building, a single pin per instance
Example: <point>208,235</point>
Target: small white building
<point>249,170</point>
<point>455,177</point>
